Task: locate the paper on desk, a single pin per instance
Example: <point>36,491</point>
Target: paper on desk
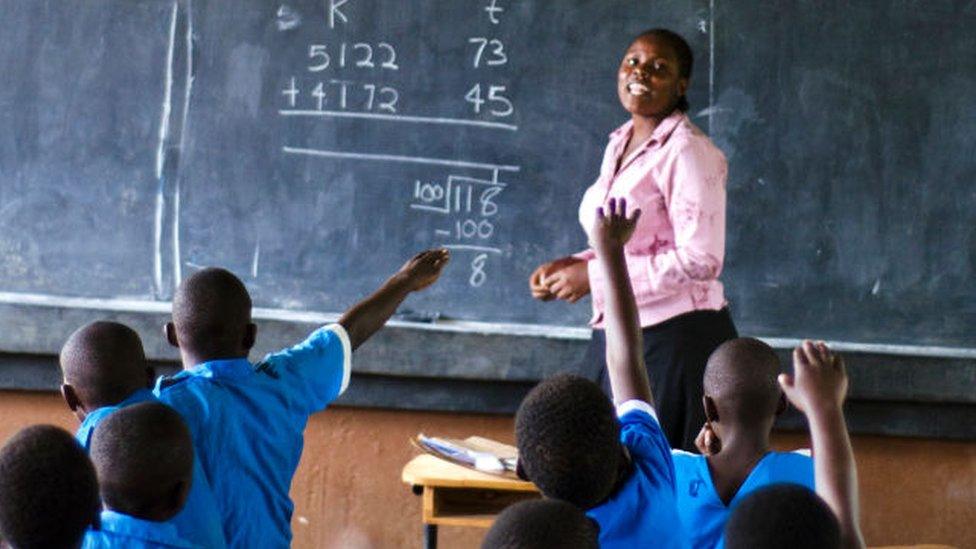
<point>477,452</point>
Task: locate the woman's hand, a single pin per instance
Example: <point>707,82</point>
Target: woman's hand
<point>565,278</point>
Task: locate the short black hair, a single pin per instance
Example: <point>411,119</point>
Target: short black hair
<point>142,454</point>
<point>48,489</point>
<point>686,59</point>
<point>568,439</point>
<point>741,376</point>
<point>211,311</point>
<point>542,524</point>
<point>782,515</point>
<point>104,362</point>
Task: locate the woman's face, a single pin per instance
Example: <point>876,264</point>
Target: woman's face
<point>648,81</point>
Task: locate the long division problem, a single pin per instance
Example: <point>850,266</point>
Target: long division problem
<point>343,77</point>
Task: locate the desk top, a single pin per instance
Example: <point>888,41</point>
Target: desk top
<point>427,470</point>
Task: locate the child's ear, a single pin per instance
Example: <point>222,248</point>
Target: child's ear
<point>169,331</point>
<point>711,410</point>
<point>70,397</point>
<point>782,405</point>
<point>250,335</point>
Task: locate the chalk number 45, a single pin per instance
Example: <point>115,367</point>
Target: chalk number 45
<point>498,104</point>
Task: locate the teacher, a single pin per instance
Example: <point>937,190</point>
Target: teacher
<point>663,164</point>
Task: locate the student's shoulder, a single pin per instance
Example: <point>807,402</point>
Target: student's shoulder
<point>684,459</point>
<point>639,427</point>
<point>689,141</point>
<point>183,389</point>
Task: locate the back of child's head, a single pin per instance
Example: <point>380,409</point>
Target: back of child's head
<point>542,524</point>
<point>48,489</point>
<point>782,515</point>
<point>740,378</point>
<point>103,362</point>
<point>211,312</point>
<point>144,457</point>
<point>568,439</point>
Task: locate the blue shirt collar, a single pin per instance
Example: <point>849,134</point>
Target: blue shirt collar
<point>227,368</point>
<point>163,533</point>
<point>93,418</point>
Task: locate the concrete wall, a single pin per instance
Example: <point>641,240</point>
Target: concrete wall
<point>348,493</point>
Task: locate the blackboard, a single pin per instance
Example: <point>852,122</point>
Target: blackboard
<point>312,146</point>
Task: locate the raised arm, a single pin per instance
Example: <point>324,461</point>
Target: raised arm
<point>818,387</point>
<point>369,315</point>
<point>625,351</point>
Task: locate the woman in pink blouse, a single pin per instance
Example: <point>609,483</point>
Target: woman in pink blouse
<point>660,162</point>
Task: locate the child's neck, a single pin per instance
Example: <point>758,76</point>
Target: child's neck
<point>192,359</point>
<point>741,451</point>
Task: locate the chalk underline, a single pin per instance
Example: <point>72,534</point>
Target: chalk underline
<point>402,118</point>
<point>398,158</point>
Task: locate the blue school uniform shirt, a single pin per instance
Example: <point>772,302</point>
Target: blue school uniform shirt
<point>198,521</point>
<point>642,512</point>
<point>247,423</point>
<point>120,531</point>
<point>702,512</point>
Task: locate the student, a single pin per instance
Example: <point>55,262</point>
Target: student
<point>782,515</point>
<point>105,370</point>
<point>741,401</point>
<point>247,420</point>
<point>818,387</point>
<point>618,469</point>
<point>542,524</point>
<point>48,490</point>
<point>143,455</point>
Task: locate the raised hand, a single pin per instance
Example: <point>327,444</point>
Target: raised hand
<point>612,227</point>
<point>423,269</point>
<point>819,380</point>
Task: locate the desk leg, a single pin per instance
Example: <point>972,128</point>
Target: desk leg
<point>430,536</point>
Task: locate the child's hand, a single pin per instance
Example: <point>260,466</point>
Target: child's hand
<point>819,380</point>
<point>707,441</point>
<point>423,269</point>
<point>613,228</point>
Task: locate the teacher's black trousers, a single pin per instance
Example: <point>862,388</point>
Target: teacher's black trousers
<point>675,353</point>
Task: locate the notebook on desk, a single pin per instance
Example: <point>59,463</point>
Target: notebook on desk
<point>479,453</point>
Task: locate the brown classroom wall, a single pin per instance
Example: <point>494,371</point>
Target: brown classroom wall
<point>348,493</point>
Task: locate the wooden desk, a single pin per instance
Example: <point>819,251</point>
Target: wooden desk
<point>457,496</point>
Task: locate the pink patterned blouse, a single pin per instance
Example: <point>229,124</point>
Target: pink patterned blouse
<point>677,178</point>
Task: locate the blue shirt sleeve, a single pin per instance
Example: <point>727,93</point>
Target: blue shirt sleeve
<point>316,371</point>
<point>643,437</point>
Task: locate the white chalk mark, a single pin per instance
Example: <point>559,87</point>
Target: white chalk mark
<point>442,232</point>
<point>454,179</point>
<point>287,18</point>
<point>435,209</point>
<point>397,158</point>
<point>709,111</point>
<point>877,287</point>
<point>255,259</point>
<point>468,247</point>
<point>334,6</point>
<point>158,241</point>
<point>177,262</point>
<point>711,63</point>
<point>401,118</point>
<point>486,328</point>
<point>187,89</point>
<point>167,95</point>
